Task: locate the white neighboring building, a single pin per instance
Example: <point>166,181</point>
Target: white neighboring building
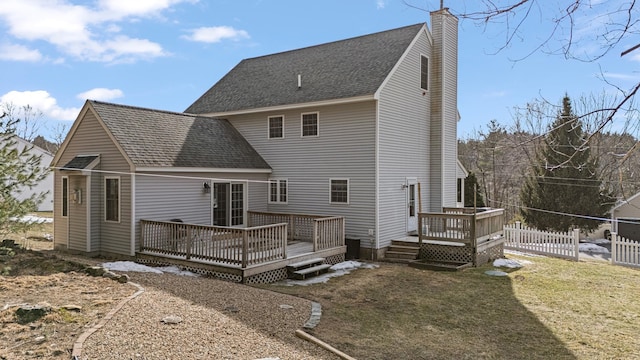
<point>46,185</point>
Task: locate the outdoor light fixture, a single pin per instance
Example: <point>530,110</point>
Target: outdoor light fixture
<point>206,188</point>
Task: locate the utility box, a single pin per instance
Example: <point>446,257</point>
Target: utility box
<point>353,248</point>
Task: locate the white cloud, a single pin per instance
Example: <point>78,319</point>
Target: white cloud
<point>19,53</point>
<point>216,34</point>
<point>84,32</point>
<point>380,4</point>
<point>101,94</point>
<point>42,101</point>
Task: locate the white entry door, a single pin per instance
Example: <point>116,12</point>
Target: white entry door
<point>412,204</point>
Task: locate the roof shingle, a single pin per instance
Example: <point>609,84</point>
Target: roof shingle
<point>336,70</point>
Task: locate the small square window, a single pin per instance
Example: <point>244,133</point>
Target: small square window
<point>339,191</point>
<point>424,72</point>
<point>276,127</point>
<point>310,124</point>
<point>278,191</point>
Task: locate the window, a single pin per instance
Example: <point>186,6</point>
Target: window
<point>112,198</point>
<point>310,124</point>
<point>412,200</point>
<point>65,196</point>
<point>424,72</point>
<point>459,191</point>
<point>276,127</point>
<point>278,190</point>
<point>237,204</point>
<point>339,191</point>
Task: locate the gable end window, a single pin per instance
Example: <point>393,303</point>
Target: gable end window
<point>424,72</point>
<point>276,127</point>
<point>112,199</point>
<point>310,124</point>
<point>339,191</point>
<point>278,191</point>
<point>65,196</point>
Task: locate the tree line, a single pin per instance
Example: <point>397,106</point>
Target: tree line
<point>554,175</point>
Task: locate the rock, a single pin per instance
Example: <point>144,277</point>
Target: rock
<point>95,271</point>
<point>231,309</point>
<point>123,279</point>
<point>495,273</point>
<point>8,243</point>
<point>39,340</point>
<point>30,313</point>
<point>70,307</point>
<point>171,319</point>
<point>110,275</point>
<point>286,307</point>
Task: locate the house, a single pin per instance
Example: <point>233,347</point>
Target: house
<point>43,187</point>
<point>625,218</point>
<point>363,128</point>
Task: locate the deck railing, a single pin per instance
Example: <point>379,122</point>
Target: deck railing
<point>461,225</point>
<point>323,231</point>
<point>226,245</point>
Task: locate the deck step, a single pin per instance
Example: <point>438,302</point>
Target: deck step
<point>310,271</point>
<point>390,254</point>
<point>305,263</point>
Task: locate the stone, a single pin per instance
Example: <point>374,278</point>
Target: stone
<point>110,275</point>
<point>286,307</point>
<point>39,340</point>
<point>123,279</point>
<point>95,271</point>
<point>71,307</point>
<point>29,313</point>
<point>171,319</point>
<point>495,273</point>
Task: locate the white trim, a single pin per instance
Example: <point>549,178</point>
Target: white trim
<point>269,127</point>
<point>278,181</point>
<point>348,191</point>
<point>317,124</point>
<point>625,202</point>
<point>411,180</point>
<point>376,212</point>
<point>201,170</point>
<point>119,198</point>
<point>133,214</point>
<point>292,106</point>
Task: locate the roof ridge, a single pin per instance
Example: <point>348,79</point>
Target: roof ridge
<point>148,109</point>
<point>333,42</point>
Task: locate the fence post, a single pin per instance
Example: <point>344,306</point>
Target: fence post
<point>614,245</point>
<point>315,235</point>
<point>518,233</point>
<point>283,234</point>
<point>576,243</point>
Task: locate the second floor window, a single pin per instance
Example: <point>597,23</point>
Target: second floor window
<point>310,124</point>
<point>424,72</point>
<point>276,127</point>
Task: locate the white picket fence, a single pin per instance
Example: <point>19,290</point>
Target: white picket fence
<point>624,251</point>
<point>557,244</point>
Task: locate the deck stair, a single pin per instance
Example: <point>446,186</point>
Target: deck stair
<point>308,268</point>
<point>402,251</point>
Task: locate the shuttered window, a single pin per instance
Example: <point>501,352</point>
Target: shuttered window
<point>424,72</point>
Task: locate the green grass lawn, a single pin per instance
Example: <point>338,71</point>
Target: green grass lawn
<point>549,309</point>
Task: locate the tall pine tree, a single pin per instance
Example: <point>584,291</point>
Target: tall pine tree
<point>564,180</point>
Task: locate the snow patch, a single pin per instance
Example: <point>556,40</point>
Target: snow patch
<point>32,219</point>
<point>508,263</point>
<point>126,266</point>
<point>338,269</point>
<point>593,248</point>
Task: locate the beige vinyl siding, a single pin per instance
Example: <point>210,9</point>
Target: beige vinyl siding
<point>91,138</point>
<point>164,196</point>
<point>629,210</point>
<point>403,141</point>
<point>60,224</point>
<point>344,148</point>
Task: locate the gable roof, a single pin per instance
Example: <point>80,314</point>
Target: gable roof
<point>336,70</point>
<point>154,138</point>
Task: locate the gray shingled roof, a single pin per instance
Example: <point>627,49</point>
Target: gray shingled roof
<point>79,162</point>
<point>337,70</point>
<point>154,138</point>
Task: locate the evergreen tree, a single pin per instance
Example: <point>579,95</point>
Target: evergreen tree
<point>470,186</point>
<point>19,170</point>
<point>564,180</point>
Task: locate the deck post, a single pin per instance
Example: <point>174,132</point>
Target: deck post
<point>283,234</point>
<point>188,249</point>
<point>245,248</point>
<point>315,235</point>
<point>293,226</point>
<point>143,229</point>
<point>474,240</point>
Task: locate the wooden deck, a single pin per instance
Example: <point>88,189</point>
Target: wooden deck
<point>259,253</point>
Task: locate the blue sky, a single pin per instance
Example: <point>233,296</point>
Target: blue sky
<point>164,54</point>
